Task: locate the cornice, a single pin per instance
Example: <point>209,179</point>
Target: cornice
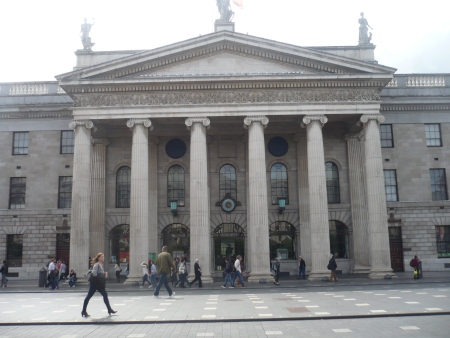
<point>226,97</point>
<point>36,115</point>
<point>413,107</point>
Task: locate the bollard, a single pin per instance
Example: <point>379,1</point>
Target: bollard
<point>42,277</point>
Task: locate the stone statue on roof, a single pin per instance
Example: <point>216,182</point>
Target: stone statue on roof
<point>364,36</point>
<point>226,14</point>
<point>85,39</point>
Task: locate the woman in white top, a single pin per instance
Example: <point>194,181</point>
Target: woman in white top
<point>153,272</point>
<point>145,275</point>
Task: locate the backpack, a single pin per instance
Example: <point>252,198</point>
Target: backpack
<point>411,262</point>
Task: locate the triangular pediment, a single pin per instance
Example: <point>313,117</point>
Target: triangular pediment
<point>224,53</point>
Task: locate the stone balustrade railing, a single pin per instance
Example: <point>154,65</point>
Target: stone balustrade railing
<point>28,89</point>
<point>392,83</point>
<point>425,81</point>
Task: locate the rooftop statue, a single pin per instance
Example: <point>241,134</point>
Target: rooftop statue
<point>364,38</point>
<point>85,39</point>
<point>226,14</point>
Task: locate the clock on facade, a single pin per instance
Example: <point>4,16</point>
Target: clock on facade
<point>228,204</point>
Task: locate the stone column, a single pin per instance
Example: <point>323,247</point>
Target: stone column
<point>358,195</point>
<point>138,199</point>
<point>200,231</point>
<point>380,258</point>
<point>98,170</point>
<point>81,197</point>
<point>318,203</point>
<point>258,217</point>
<point>303,196</point>
<point>153,196</point>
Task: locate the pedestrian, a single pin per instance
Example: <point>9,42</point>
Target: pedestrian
<point>276,270</point>
<point>238,272</point>
<point>198,274</point>
<point>301,268</point>
<point>415,262</point>
<point>97,283</point>
<point>145,275</point>
<point>153,273</point>
<point>332,265</point>
<point>182,272</point>
<point>228,270</point>
<point>63,271</point>
<point>118,270</point>
<point>72,279</point>
<point>4,272</point>
<point>164,263</point>
<point>175,278</point>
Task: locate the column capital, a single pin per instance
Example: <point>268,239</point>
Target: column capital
<point>104,141</point>
<point>146,122</point>
<point>249,119</point>
<point>310,118</point>
<point>79,123</point>
<point>354,136</point>
<point>378,118</point>
<point>191,120</point>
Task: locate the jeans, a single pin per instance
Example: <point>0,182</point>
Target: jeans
<point>118,276</point>
<point>301,272</point>
<point>163,280</point>
<point>183,279</point>
<point>145,279</point>
<point>153,278</point>
<point>92,289</point>
<point>228,279</point>
<point>239,275</point>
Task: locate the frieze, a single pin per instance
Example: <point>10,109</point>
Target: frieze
<point>225,97</point>
<point>35,115</point>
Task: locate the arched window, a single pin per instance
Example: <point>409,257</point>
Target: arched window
<point>282,240</point>
<point>227,181</point>
<point>332,173</point>
<point>176,237</point>
<point>123,187</point>
<point>279,183</point>
<point>119,243</point>
<point>338,239</point>
<point>175,185</point>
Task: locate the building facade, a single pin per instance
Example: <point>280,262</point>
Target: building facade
<point>222,145</point>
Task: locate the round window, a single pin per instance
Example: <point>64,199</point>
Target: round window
<point>175,148</point>
<point>278,146</point>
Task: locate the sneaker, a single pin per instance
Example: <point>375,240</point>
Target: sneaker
<point>149,287</point>
<point>173,294</point>
<point>157,297</point>
<point>231,287</point>
<point>223,287</point>
<point>141,287</point>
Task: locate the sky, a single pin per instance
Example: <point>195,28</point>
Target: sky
<point>39,38</point>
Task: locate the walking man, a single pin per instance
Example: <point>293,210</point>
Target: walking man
<point>198,274</point>
<point>301,268</point>
<point>164,263</point>
<point>332,265</point>
<point>237,266</point>
<point>228,270</point>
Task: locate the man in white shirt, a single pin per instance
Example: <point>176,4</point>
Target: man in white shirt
<point>237,266</point>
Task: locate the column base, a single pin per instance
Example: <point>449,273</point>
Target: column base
<point>361,269</point>
<point>256,277</point>
<point>318,275</point>
<point>381,274</point>
<point>133,280</point>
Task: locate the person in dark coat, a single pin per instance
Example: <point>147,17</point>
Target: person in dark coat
<point>198,274</point>
<point>276,270</point>
<point>301,268</point>
<point>332,265</point>
<point>4,272</point>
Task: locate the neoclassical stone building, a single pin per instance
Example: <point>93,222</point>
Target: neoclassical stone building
<point>227,144</point>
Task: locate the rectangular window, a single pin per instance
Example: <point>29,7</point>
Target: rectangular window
<point>386,136</point>
<point>433,135</point>
<point>443,241</point>
<point>17,188</point>
<point>14,247</point>
<point>65,192</point>
<point>20,143</point>
<point>390,185</point>
<point>438,184</point>
<point>67,141</point>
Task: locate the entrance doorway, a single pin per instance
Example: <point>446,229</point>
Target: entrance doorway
<point>176,237</point>
<point>396,246</point>
<point>229,241</point>
<point>63,247</point>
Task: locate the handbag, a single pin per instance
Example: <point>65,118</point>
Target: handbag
<point>89,276</point>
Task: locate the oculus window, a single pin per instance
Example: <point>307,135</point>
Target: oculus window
<point>278,146</point>
<point>175,148</point>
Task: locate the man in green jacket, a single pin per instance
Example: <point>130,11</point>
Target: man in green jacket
<point>164,263</point>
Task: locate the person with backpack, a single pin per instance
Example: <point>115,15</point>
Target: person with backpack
<point>332,265</point>
<point>276,270</point>
<point>414,263</point>
<point>228,270</point>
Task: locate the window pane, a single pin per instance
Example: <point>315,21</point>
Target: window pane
<point>175,185</point>
<point>20,143</point>
<point>332,176</point>
<point>123,187</point>
<point>67,141</point>
<point>65,192</point>
<point>279,183</point>
<point>227,181</point>
<point>390,185</point>
<point>17,189</point>
<point>386,136</point>
<point>14,250</point>
<point>443,241</point>
<point>438,182</point>
<point>433,135</point>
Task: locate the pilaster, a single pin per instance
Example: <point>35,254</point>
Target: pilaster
<point>200,232</point>
<point>380,260</point>
<point>258,218</point>
<point>81,195</point>
<point>97,213</point>
<point>139,198</point>
<point>318,204</point>
<point>358,196</point>
<point>153,195</point>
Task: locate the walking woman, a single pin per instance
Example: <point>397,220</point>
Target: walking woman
<point>97,284</point>
<point>152,270</point>
<point>145,275</point>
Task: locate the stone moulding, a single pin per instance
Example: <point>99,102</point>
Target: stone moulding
<point>226,97</point>
<point>203,120</point>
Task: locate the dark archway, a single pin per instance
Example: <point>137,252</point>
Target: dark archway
<point>282,240</point>
<point>119,244</point>
<point>176,237</point>
<point>229,241</point>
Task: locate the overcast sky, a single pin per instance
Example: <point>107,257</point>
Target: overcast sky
<point>39,37</point>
